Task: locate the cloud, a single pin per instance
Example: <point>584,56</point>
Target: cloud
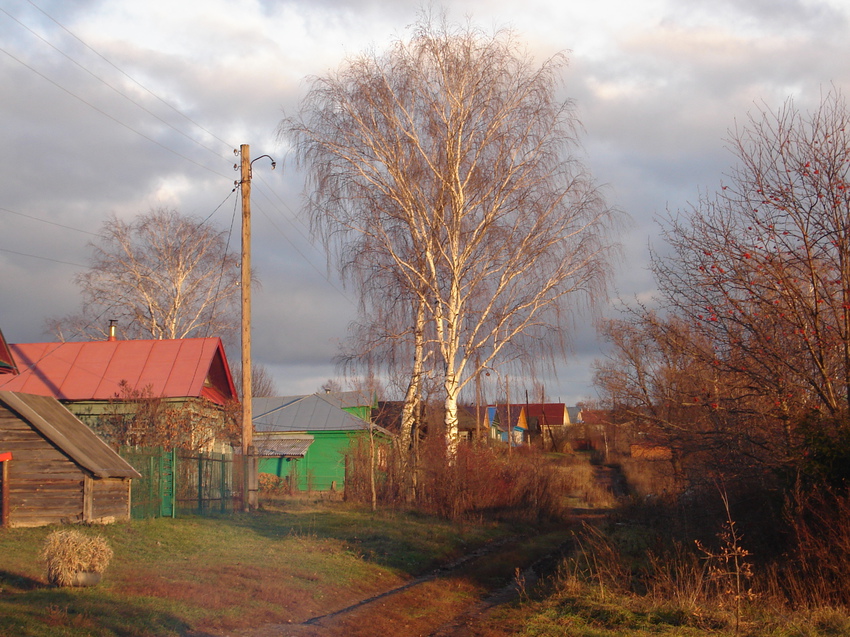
<point>656,84</point>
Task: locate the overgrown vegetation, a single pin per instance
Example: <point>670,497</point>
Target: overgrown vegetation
<point>739,372</point>
<point>712,561</point>
<point>477,481</point>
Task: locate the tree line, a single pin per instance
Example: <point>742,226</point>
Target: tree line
<point>743,364</point>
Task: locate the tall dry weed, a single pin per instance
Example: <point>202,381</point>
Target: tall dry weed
<point>478,481</point>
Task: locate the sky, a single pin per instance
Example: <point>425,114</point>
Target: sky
<point>119,106</point>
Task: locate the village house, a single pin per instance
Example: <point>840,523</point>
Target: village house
<point>306,438</point>
<point>186,384</point>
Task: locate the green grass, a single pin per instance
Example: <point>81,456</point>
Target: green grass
<point>286,563</point>
<point>582,613</point>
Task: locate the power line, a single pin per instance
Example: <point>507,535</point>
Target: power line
<point>303,256</point>
<point>130,128</point>
<point>131,78</point>
<point>52,223</point>
<point>35,256</point>
<point>114,119</point>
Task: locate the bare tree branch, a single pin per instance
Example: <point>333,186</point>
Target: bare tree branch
<point>449,160</point>
<point>162,275</point>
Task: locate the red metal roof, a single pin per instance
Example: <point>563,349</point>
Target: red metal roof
<point>554,413</point>
<point>597,416</point>
<point>7,363</point>
<point>179,368</point>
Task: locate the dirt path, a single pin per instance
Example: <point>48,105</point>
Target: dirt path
<point>452,601</point>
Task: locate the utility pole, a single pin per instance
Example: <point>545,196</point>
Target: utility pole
<point>250,499</point>
<point>250,485</point>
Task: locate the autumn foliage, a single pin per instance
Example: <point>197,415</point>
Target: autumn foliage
<point>137,418</point>
<point>746,361</point>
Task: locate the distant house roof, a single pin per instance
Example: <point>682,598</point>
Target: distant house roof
<point>292,445</point>
<point>388,413</point>
<point>7,361</point>
<point>597,416</point>
<point>314,412</point>
<point>551,414</point>
<point>349,399</point>
<point>504,415</point>
<point>50,418</point>
<point>95,370</point>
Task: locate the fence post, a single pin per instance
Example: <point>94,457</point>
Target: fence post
<point>223,490</point>
<point>200,483</point>
<point>154,503</point>
<point>174,482</point>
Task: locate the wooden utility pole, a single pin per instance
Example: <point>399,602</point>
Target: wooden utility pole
<point>250,499</point>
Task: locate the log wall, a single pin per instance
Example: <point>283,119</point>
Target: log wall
<point>45,486</point>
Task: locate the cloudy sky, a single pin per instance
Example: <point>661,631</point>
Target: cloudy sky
<point>119,106</point>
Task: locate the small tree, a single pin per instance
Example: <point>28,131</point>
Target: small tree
<point>162,275</point>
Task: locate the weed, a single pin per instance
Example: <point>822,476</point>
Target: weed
<point>729,566</point>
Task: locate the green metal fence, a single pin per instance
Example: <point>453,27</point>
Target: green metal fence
<point>180,482</point>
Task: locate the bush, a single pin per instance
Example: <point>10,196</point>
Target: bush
<point>68,552</point>
<point>479,480</point>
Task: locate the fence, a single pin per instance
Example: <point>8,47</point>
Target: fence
<point>180,482</point>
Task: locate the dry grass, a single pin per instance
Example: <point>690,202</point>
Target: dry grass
<point>486,481</point>
<point>649,478</point>
<point>68,552</point>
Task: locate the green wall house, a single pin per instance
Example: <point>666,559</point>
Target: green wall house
<point>356,403</point>
<point>306,438</point>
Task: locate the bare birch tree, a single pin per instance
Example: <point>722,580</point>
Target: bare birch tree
<point>450,157</point>
<point>162,275</point>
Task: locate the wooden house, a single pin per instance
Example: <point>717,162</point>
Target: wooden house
<point>549,423</point>
<point>508,423</point>
<point>314,431</point>
<point>55,469</point>
<point>102,381</point>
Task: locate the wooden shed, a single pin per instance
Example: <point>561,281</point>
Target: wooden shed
<point>59,471</point>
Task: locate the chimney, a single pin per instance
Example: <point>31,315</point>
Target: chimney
<point>112,323</point>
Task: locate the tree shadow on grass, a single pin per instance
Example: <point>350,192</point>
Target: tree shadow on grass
<point>41,607</point>
<point>18,582</point>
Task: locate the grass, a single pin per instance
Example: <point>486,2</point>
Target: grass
<point>582,613</point>
<point>171,577</point>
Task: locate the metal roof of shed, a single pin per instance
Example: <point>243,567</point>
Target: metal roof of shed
<point>304,413</point>
<point>314,412</point>
<point>95,370</point>
<point>50,418</point>
<point>292,446</point>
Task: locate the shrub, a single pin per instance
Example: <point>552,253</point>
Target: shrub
<point>521,483</point>
<point>68,552</point>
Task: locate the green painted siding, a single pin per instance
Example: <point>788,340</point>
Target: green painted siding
<point>363,413</point>
<point>322,465</point>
